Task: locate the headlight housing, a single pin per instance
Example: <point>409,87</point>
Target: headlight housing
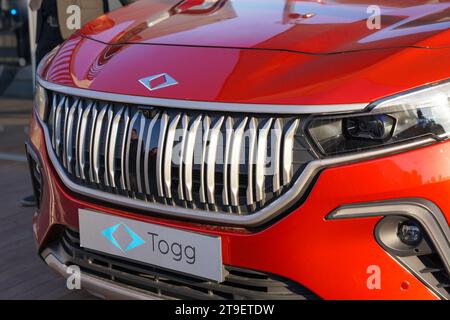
<point>413,115</point>
<point>41,102</point>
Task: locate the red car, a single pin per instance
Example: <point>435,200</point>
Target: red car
<point>248,149</point>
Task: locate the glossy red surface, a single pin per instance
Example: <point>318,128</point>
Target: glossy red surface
<point>252,56</point>
<point>265,52</point>
<point>322,26</point>
<point>247,76</point>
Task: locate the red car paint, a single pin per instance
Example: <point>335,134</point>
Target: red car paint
<point>252,52</point>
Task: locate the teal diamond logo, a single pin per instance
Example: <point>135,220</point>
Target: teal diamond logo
<point>122,237</point>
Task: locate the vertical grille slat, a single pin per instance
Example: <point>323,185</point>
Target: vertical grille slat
<point>82,140</point>
<point>261,160</point>
<point>251,160</point>
<point>235,161</point>
<point>206,126</point>
<point>167,168</point>
<point>77,138</point>
<point>94,115</point>
<point>128,155</point>
<point>288,152</point>
<point>58,127</point>
<point>229,163</point>
<point>96,144</point>
<point>109,118</point>
<point>123,152</point>
<point>188,157</point>
<point>148,150</point>
<point>69,135</point>
<point>112,145</point>
<point>211,160</point>
<point>185,124</point>
<point>160,153</point>
<point>226,160</point>
<point>276,150</point>
<point>139,154</point>
<point>66,108</point>
<point>54,124</point>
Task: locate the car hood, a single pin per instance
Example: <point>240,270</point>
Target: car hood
<point>318,27</point>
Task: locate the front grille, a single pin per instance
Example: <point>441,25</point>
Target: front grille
<point>238,284</point>
<point>217,162</point>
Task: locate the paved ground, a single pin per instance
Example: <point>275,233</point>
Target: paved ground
<point>22,274</point>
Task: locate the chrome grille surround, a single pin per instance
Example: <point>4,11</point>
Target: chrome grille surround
<point>222,163</point>
<point>283,203</point>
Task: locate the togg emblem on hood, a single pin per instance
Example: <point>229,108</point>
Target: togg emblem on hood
<point>158,81</point>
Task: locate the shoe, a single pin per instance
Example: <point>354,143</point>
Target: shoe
<point>29,201</point>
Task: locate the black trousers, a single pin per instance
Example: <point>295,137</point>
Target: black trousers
<point>48,38</point>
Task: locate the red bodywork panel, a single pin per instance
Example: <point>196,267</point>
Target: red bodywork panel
<point>330,257</point>
<point>247,76</point>
<point>303,26</point>
<point>257,57</point>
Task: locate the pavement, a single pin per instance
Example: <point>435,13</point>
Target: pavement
<point>23,275</point>
<point>16,82</point>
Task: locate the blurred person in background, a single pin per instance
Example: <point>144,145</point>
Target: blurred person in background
<point>52,29</point>
<point>14,19</point>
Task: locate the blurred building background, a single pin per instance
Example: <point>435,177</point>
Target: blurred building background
<point>22,274</point>
<point>15,55</point>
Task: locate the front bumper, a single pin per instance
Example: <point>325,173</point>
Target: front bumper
<point>97,286</point>
<point>329,257</point>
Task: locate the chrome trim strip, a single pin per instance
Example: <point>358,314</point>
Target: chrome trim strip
<point>167,167</point>
<point>184,124</point>
<point>77,137</point>
<point>424,211</point>
<point>127,155</point>
<point>204,105</point>
<point>112,147</point>
<point>148,141</point>
<point>54,109</point>
<point>64,132</point>
<point>69,138</point>
<point>91,141</point>
<point>253,126</point>
<point>235,161</point>
<point>279,206</point>
<point>57,129</point>
<point>82,140</point>
<point>139,154</point>
<point>226,159</point>
<point>159,155</point>
<point>96,144</point>
<point>276,136</point>
<point>261,156</point>
<point>211,160</point>
<point>205,135</point>
<point>126,123</point>
<point>188,157</point>
<point>107,151</point>
<point>288,152</point>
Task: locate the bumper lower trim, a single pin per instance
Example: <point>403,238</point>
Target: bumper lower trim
<point>97,286</point>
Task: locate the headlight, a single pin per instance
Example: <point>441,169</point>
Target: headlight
<point>40,102</point>
<point>414,115</point>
